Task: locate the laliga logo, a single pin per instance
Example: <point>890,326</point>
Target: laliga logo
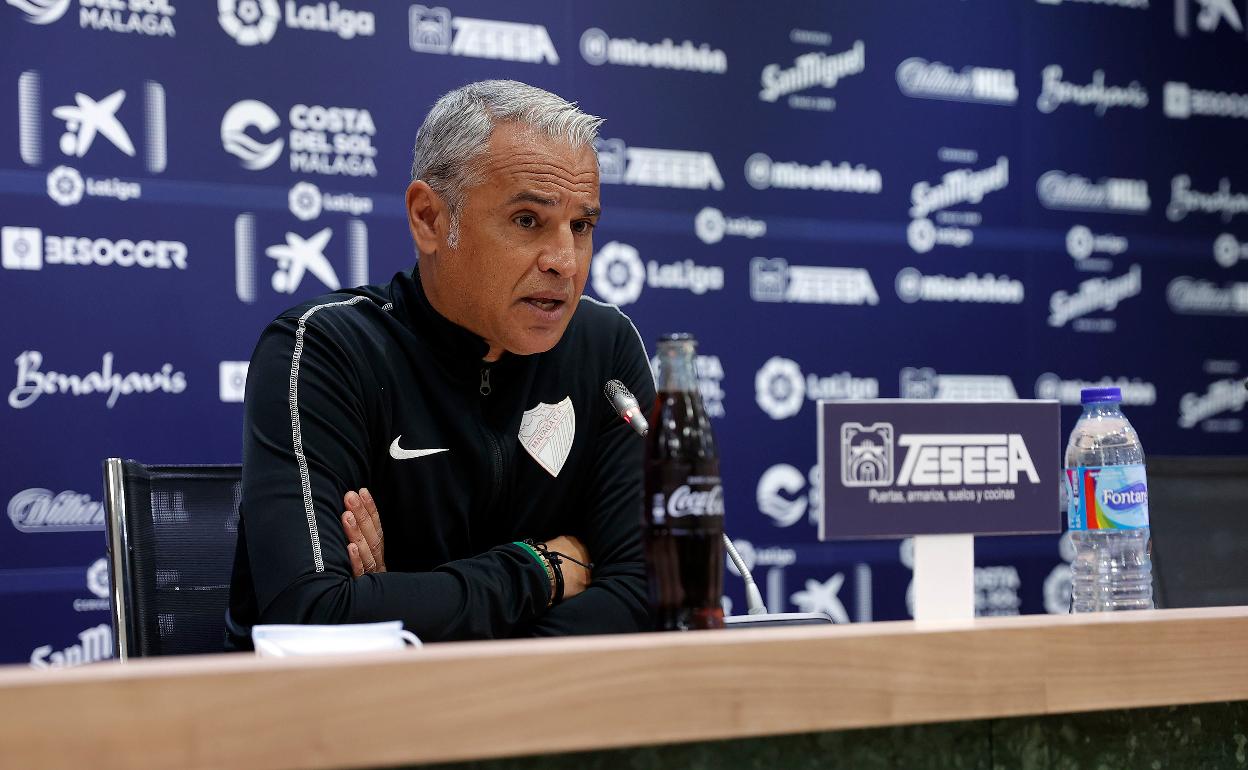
<point>65,185</point>
<point>618,273</point>
<point>1227,250</point>
<point>933,458</point>
<point>709,225</point>
<point>41,11</point>
<point>305,201</point>
<point>779,388</point>
<point>249,22</point>
<point>246,114</point>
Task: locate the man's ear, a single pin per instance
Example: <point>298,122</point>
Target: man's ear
<point>426,215</point>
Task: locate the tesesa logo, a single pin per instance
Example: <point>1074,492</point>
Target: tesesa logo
<point>931,458</point>
<point>435,30</point>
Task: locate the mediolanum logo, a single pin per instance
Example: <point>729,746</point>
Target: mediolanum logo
<point>931,459</point>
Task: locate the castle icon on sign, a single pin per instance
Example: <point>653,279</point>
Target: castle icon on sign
<point>866,454</point>
<point>429,29</point>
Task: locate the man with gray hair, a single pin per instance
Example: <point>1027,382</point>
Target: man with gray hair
<point>460,406</point>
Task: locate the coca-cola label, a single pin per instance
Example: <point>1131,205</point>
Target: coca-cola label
<point>706,500</point>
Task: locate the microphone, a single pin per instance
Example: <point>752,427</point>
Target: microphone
<point>753,599</point>
<point>625,405</point>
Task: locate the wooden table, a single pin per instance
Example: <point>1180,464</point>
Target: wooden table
<point>491,699</point>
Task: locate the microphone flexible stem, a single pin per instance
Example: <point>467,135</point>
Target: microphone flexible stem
<point>753,599</point>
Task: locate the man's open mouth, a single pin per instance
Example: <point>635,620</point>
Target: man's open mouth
<point>544,304</point>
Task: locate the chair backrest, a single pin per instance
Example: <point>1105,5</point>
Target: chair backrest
<point>1198,511</point>
<point>171,537</point>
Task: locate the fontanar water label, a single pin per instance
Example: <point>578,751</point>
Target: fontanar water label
<point>1107,497</point>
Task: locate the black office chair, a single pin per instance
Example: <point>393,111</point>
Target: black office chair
<point>1198,512</point>
<point>171,537</point>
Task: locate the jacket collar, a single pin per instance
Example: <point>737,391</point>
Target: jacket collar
<point>449,340</point>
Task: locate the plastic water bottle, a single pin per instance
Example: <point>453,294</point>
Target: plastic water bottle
<point>1107,509</point>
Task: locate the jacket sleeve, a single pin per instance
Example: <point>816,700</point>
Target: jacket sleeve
<point>616,600</point>
<point>305,445</point>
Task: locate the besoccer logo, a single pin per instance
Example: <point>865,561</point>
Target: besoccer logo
<point>866,454</point>
<point>249,22</point>
<point>779,388</point>
<point>65,185</point>
<point>21,248</point>
<point>41,11</point>
<point>618,273</point>
<point>249,114</point>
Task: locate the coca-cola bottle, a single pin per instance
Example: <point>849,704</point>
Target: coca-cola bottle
<point>683,519</point>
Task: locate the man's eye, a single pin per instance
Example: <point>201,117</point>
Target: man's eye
<point>526,221</point>
<point>583,226</point>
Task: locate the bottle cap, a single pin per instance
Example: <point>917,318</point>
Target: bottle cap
<point>1100,396</point>
<point>677,337</point>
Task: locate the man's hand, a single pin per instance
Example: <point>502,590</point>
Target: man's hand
<point>575,577</point>
<point>365,543</point>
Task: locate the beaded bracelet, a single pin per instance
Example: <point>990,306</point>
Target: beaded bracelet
<point>544,560</point>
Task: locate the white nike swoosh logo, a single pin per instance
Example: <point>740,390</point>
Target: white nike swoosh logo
<point>399,453</point>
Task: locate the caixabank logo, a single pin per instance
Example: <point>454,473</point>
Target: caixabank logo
<point>307,250</point>
<point>91,126</point>
<point>1210,17</point>
<point>326,140</point>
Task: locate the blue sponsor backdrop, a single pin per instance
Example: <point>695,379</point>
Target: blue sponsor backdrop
<point>949,199</point>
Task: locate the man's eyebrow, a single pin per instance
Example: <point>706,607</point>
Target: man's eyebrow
<point>590,211</point>
<point>531,197</point>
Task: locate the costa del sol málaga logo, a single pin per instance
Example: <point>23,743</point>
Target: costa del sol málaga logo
<point>254,154</point>
<point>41,11</point>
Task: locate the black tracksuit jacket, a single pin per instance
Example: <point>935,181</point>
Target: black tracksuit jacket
<point>337,384</point>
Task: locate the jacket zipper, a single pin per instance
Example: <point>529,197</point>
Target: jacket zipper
<point>496,452</point>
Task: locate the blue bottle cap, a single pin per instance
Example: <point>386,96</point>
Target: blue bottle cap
<point>1100,396</point>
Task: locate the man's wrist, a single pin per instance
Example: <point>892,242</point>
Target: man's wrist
<point>539,554</point>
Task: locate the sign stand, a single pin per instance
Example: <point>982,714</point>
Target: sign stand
<point>944,577</point>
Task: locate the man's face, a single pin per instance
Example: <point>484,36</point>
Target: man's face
<point>525,241</point>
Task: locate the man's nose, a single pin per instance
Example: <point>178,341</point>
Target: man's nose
<point>558,255</point>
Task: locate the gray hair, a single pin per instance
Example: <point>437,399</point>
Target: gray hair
<point>457,131</point>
